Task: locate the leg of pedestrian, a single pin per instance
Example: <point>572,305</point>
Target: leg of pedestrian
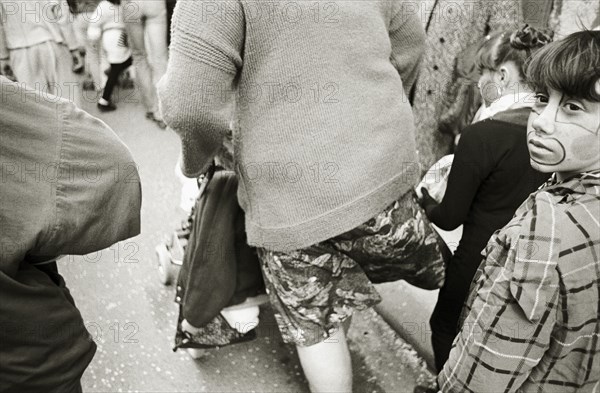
<point>327,365</point>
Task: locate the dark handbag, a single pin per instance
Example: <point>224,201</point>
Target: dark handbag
<point>219,269</point>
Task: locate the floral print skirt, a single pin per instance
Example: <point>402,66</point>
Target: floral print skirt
<point>314,289</point>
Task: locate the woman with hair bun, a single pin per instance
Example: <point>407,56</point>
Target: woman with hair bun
<point>501,61</point>
<point>490,176</point>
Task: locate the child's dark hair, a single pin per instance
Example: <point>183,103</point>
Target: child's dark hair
<point>516,46</point>
<point>571,66</point>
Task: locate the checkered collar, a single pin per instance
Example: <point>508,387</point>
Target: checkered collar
<point>582,183</point>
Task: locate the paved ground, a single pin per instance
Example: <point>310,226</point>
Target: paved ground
<point>132,316</point>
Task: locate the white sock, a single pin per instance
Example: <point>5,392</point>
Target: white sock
<point>243,320</point>
<point>102,101</point>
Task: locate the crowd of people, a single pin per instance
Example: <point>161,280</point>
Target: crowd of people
<point>519,309</point>
<point>104,39</point>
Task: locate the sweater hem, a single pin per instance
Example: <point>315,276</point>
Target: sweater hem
<point>331,224</point>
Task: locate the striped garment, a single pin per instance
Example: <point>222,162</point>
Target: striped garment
<point>532,322</point>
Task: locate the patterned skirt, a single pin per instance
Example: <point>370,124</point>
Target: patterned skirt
<point>313,290</point>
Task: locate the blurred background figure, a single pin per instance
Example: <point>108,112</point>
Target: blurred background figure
<point>85,12</point>
<point>146,24</point>
<point>38,47</point>
<point>108,26</point>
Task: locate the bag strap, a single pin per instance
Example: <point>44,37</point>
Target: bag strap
<point>205,178</point>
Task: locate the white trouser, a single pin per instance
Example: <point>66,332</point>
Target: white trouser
<point>47,67</point>
<point>146,23</point>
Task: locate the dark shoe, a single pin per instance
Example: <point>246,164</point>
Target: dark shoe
<point>159,122</point>
<point>106,108</point>
<point>89,85</point>
<point>125,81</point>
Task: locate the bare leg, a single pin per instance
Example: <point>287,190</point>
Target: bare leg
<point>327,365</point>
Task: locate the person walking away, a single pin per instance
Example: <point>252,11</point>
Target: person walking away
<point>146,24</point>
<point>322,112</point>
<point>85,13</point>
<point>110,28</point>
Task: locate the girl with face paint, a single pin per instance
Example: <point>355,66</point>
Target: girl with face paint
<point>563,134</point>
<point>563,128</point>
<point>531,321</point>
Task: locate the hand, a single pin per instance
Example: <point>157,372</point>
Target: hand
<point>77,61</point>
<point>6,70</point>
<point>426,201</point>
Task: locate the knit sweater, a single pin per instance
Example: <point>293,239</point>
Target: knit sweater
<point>324,134</point>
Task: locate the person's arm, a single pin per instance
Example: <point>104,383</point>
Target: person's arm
<point>197,92</point>
<point>510,321</point>
<point>70,186</point>
<point>98,197</point>
<point>470,167</point>
<point>407,37</point>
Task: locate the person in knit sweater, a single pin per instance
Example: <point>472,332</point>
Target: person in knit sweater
<point>323,142</point>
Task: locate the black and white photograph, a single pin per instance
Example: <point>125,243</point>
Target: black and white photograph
<point>300,196</point>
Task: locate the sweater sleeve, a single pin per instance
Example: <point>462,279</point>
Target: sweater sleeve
<point>407,37</point>
<point>197,92</point>
<point>469,168</point>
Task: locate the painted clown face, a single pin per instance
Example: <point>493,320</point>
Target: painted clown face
<point>563,134</point>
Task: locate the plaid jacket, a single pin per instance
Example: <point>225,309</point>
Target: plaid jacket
<point>533,317</point>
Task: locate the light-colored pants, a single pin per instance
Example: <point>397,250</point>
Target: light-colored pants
<point>93,51</point>
<point>146,23</point>
<point>47,67</point>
